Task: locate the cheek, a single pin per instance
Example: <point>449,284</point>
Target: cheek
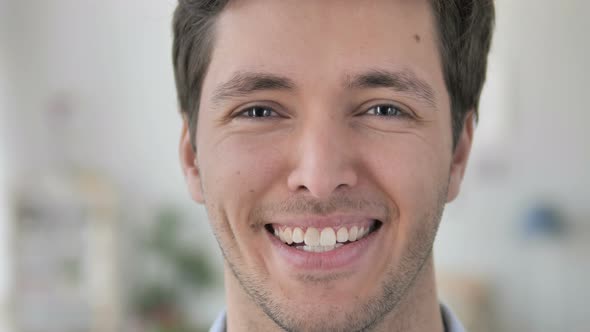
<point>237,174</point>
<point>238,171</point>
<point>413,175</point>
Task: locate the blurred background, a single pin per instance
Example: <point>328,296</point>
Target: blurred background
<point>97,231</point>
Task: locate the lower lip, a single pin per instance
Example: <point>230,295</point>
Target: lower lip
<point>344,257</point>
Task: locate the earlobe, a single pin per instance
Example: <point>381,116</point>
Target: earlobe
<point>188,162</point>
<point>461,156</point>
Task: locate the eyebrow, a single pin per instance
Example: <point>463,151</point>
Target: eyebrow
<point>244,83</point>
<point>401,81</point>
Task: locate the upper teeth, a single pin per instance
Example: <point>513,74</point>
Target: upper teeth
<point>326,237</point>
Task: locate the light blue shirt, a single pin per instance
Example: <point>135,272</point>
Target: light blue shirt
<point>450,321</point>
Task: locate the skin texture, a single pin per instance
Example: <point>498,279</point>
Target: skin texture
<point>322,151</point>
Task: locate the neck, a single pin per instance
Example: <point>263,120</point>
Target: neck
<point>417,311</point>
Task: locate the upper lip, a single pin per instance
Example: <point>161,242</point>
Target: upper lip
<point>324,221</point>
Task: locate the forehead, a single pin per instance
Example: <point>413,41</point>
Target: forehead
<point>319,43</point>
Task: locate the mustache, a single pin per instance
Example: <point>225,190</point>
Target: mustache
<point>306,205</point>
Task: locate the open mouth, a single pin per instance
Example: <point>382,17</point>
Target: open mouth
<point>312,239</point>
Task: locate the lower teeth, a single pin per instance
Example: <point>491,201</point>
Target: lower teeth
<point>319,248</point>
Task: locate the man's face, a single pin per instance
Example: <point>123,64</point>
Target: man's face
<point>325,122</point>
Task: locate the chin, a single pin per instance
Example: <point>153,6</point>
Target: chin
<point>322,317</point>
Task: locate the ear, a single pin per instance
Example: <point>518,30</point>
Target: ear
<point>460,156</point>
<point>188,161</point>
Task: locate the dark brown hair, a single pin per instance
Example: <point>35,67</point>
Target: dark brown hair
<point>464,32</point>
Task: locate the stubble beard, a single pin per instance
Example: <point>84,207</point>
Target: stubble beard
<point>364,316</point>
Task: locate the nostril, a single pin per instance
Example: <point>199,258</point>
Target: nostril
<point>302,188</point>
<point>321,176</point>
<point>342,186</point>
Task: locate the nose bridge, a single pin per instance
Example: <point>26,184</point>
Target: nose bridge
<point>324,158</point>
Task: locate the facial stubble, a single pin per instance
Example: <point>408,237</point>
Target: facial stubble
<point>364,316</point>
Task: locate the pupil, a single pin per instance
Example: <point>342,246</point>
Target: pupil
<point>385,110</point>
<point>259,112</point>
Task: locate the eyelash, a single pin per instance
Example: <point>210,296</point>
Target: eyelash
<point>257,111</point>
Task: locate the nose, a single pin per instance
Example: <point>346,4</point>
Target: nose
<point>323,160</point>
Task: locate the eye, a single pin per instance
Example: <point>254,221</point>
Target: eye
<point>388,110</point>
<point>257,112</point>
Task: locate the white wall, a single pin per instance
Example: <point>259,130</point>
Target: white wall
<point>5,225</point>
<point>536,149</point>
<point>112,60</point>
